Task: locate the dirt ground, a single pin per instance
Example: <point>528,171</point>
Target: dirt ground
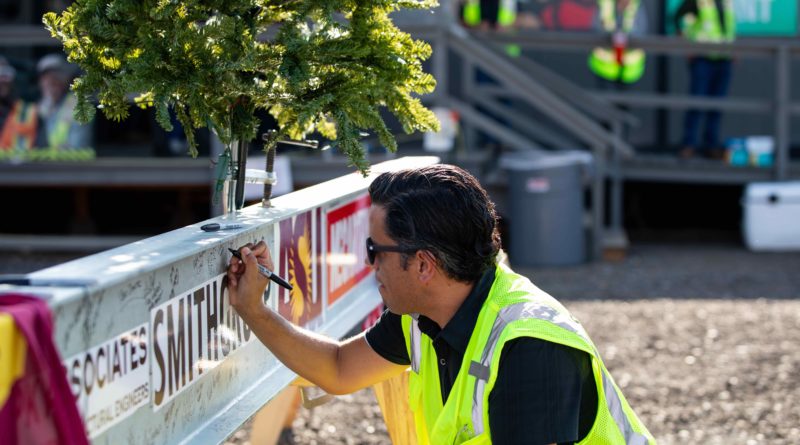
<point>702,340</point>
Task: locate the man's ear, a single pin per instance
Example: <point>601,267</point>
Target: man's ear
<point>426,265</point>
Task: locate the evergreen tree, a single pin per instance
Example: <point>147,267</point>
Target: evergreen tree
<point>324,65</point>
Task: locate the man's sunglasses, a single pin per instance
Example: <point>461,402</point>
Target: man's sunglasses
<point>373,249</point>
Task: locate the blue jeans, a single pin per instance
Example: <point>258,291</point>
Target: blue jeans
<point>710,78</point>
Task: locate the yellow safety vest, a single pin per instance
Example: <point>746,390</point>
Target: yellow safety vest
<point>506,14</point>
<point>603,61</point>
<point>514,308</point>
<point>58,135</point>
<point>706,27</point>
<point>19,130</point>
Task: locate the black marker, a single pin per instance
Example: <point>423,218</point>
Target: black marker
<point>213,227</point>
<point>264,271</point>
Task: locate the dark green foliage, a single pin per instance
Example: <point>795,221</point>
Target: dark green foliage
<point>325,65</point>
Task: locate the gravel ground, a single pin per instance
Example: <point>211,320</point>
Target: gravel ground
<point>702,340</point>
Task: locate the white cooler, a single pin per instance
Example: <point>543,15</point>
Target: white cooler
<point>772,216</point>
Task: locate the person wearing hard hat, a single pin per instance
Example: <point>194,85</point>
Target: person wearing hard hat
<point>57,105</point>
<point>19,120</point>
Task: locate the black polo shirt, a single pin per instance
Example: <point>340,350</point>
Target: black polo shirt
<point>544,393</point>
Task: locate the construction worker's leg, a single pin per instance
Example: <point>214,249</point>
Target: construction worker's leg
<point>718,87</point>
<point>698,86</point>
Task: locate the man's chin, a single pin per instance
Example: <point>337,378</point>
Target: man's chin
<point>386,303</point>
<point>388,306</point>
<point>394,310</point>
<point>382,292</point>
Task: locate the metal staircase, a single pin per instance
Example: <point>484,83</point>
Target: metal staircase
<point>568,115</point>
<point>574,117</point>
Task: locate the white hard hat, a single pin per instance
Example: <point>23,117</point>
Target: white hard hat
<point>54,62</point>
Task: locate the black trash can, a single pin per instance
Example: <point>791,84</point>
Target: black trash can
<point>545,207</point>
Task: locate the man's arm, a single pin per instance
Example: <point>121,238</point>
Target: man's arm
<point>544,393</point>
<point>337,367</point>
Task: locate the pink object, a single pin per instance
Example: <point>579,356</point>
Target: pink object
<point>40,408</point>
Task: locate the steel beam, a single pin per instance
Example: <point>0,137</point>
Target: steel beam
<point>653,44</point>
<point>153,351</point>
<point>110,172</point>
<point>681,102</point>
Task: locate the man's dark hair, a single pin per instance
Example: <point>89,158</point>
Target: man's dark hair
<point>444,210</point>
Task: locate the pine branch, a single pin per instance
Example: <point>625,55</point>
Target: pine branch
<point>330,65</point>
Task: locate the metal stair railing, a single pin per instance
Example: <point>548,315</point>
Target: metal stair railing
<point>597,107</point>
<point>533,92</point>
<point>779,52</point>
<point>474,117</point>
<point>546,97</point>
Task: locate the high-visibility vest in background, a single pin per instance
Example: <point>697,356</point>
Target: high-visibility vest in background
<point>20,127</point>
<point>58,131</point>
<point>514,308</point>
<point>506,13</point>
<point>707,27</point>
<point>603,61</point>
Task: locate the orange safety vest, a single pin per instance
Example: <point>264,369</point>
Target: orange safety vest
<point>19,129</point>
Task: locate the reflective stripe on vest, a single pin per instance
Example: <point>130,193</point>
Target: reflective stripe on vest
<point>608,15</point>
<point>603,62</point>
<point>19,130</point>
<point>506,13</point>
<point>530,310</point>
<point>472,12</point>
<point>58,135</point>
<point>615,407</point>
<point>416,348</point>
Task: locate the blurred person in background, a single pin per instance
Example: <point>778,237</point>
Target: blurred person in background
<point>619,65</point>
<point>57,105</point>
<point>706,21</point>
<point>489,14</point>
<point>19,120</point>
<point>494,15</point>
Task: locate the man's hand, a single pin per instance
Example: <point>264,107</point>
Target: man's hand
<point>245,284</point>
<point>337,367</point>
